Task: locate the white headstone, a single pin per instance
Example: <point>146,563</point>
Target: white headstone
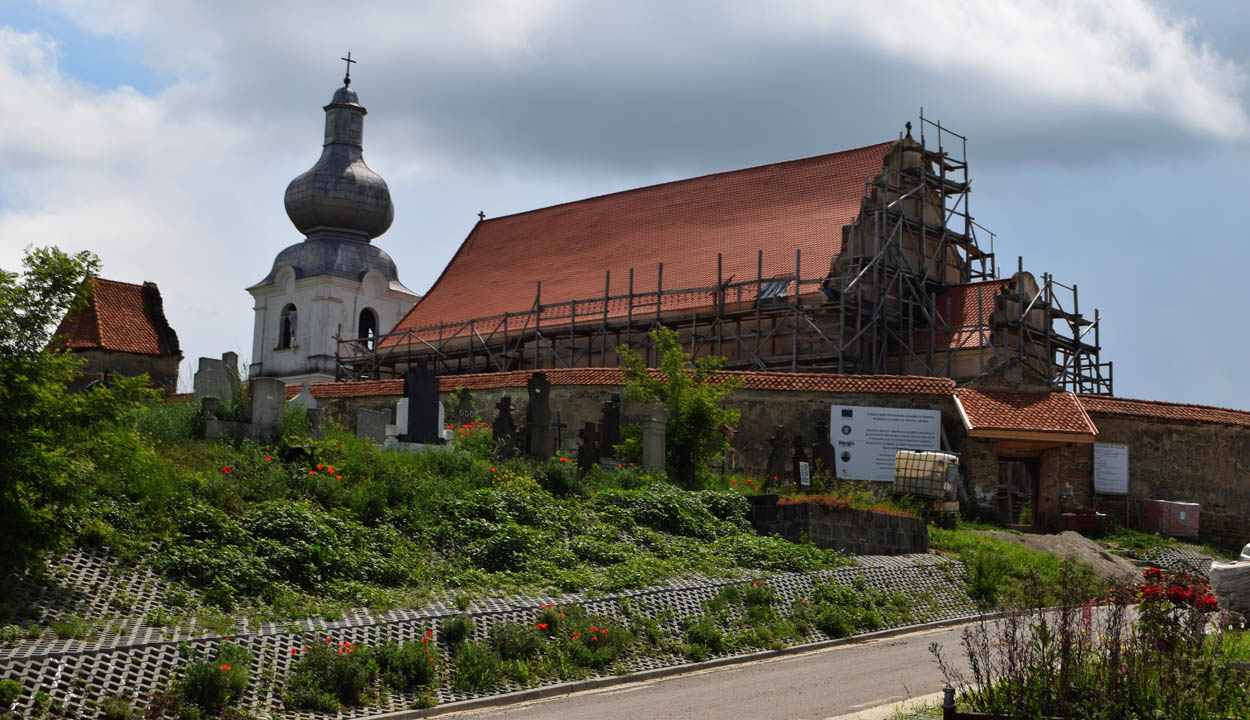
<point>305,398</point>
<point>442,423</point>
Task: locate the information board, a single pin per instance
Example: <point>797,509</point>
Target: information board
<point>865,439</point>
<point>1111,468</point>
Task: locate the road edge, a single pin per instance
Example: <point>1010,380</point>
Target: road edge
<point>574,686</point>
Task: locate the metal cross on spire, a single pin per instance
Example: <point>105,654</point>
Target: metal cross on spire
<point>347,77</point>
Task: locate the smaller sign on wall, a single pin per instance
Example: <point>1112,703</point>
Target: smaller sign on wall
<point>1111,468</point>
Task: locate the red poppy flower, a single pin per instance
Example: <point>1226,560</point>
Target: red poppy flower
<point>733,482</point>
<point>226,469</point>
<point>312,472</point>
<point>294,652</point>
<point>431,659</point>
<point>424,640</point>
<point>267,459</point>
<point>225,667</point>
<point>749,480</point>
<point>321,467</point>
<point>1153,573</point>
<point>492,469</point>
<point>338,477</point>
<point>329,640</point>
<point>429,633</point>
<point>330,469</point>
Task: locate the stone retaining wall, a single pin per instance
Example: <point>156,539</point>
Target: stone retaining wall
<point>862,532</point>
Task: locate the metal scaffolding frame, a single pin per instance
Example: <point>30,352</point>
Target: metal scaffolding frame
<point>877,311</point>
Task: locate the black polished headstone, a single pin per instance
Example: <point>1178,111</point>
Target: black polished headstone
<point>610,426</point>
<point>538,416</point>
<point>421,389</point>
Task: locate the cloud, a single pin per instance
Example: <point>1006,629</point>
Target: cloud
<point>511,105</point>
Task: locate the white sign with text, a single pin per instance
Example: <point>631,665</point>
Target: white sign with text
<point>1111,468</point>
<point>865,439</point>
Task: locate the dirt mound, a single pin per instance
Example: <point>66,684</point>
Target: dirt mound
<point>1106,566</point>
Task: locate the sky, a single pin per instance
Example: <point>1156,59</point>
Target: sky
<point>1109,143</point>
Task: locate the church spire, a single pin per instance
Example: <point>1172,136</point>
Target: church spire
<point>340,195</point>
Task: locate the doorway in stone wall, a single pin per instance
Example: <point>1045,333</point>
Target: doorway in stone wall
<point>1018,486</point>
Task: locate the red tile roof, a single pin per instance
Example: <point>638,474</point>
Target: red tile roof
<point>779,208</point>
<point>1106,405</point>
<point>811,382</point>
<point>121,317</point>
<point>993,411</point>
<point>968,310</point>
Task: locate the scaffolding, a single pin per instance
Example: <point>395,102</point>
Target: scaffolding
<point>884,306</point>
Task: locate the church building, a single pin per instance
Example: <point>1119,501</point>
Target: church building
<point>336,283</point>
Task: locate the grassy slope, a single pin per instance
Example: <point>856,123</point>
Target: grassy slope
<point>296,526</point>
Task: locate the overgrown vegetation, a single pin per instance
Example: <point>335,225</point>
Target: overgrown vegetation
<point>1001,574</point>
<point>1177,657</point>
<point>692,393</point>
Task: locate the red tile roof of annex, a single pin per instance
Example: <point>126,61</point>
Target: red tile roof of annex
<point>1052,412</point>
<point>1105,405</point>
<point>794,382</point>
<point>115,318</point>
<point>778,208</point>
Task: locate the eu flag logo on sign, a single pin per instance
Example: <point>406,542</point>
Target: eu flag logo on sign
<point>846,412</point>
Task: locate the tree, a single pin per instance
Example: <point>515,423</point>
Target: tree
<point>43,428</point>
<point>692,391</point>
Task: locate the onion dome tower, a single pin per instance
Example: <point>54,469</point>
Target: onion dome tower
<point>336,283</point>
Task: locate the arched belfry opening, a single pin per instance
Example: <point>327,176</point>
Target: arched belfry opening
<point>287,328</point>
<point>367,328</point>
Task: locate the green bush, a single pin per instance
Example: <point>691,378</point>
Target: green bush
<point>517,642</point>
<point>117,708</point>
<point>10,691</point>
<point>456,630</point>
<point>409,666</point>
<point>331,675</point>
<point>704,633</point>
<point>211,685</point>
<point>477,669</point>
<point>692,392</point>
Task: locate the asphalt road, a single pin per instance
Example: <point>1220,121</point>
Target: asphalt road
<point>821,684</point>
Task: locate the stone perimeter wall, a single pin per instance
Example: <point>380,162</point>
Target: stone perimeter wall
<point>1206,463</point>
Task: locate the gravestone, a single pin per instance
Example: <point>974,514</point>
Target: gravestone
<point>802,468</point>
<point>267,397</point>
<point>778,458</point>
<point>538,416</point>
<point>421,390</point>
<point>503,432</point>
<point>304,399</point>
<point>316,416</point>
<point>401,418</point>
<point>653,424</point>
<point>588,451</point>
<point>465,412</point>
<point>217,378</point>
<point>444,434</point>
<point>824,455</point>
<point>610,426</point>
<point>559,426</point>
<point>371,425</point>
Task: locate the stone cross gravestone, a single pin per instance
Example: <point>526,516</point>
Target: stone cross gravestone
<point>778,458</point>
<point>653,424</point>
<point>217,378</point>
<point>503,432</point>
<point>371,425</point>
<point>421,390</point>
<point>268,400</point>
<point>538,416</point>
<point>824,455</point>
<point>588,451</point>
<point>610,426</point>
<point>304,399</point>
<point>465,412</point>
<point>802,468</point>
<point>559,426</point>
